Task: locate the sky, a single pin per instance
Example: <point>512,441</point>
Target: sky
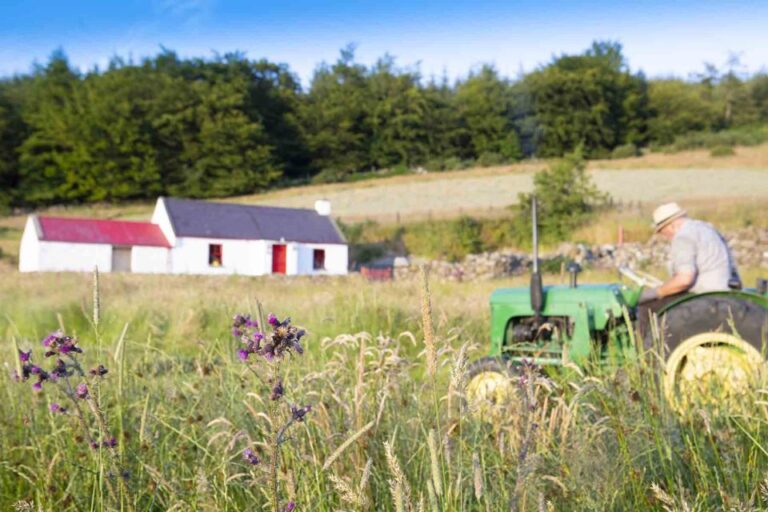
<point>661,38</point>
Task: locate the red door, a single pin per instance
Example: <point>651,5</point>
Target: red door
<point>278,259</point>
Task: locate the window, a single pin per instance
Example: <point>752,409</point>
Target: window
<point>318,259</point>
<point>215,253</point>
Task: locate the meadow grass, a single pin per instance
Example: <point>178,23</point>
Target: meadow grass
<point>383,433</point>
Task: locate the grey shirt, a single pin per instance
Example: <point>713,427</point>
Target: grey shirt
<point>698,248</point>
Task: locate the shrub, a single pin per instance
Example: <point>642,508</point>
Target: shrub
<point>489,159</point>
<point>625,151</point>
<point>329,176</point>
<point>745,136</point>
<point>566,196</point>
<point>722,150</point>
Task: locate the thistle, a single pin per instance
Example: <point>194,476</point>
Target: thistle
<point>263,353</point>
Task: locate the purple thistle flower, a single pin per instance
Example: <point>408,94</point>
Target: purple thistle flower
<point>24,356</point>
<point>243,354</point>
<point>94,445</point>
<point>290,507</point>
<point>110,443</point>
<point>54,407</point>
<point>277,390</point>
<point>272,320</point>
<point>99,371</point>
<point>81,391</point>
<point>38,386</point>
<point>250,457</point>
<point>298,413</point>
<point>51,338</point>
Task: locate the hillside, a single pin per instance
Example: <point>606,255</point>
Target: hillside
<point>692,176</point>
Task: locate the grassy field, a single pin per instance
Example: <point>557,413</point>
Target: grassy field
<point>183,408</point>
<point>388,429</point>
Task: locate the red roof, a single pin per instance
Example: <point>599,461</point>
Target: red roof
<point>94,231</point>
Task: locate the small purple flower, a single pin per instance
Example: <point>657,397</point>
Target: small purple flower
<point>277,390</point>
<point>94,445</point>
<point>298,413</point>
<point>24,356</point>
<point>99,371</point>
<point>110,443</point>
<point>51,338</point>
<point>250,457</point>
<point>56,408</point>
<point>82,391</point>
<point>38,386</point>
<point>272,320</point>
<point>290,507</point>
<point>243,354</point>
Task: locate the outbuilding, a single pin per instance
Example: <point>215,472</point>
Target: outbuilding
<point>191,237</point>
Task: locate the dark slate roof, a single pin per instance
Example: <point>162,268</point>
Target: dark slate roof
<point>203,219</point>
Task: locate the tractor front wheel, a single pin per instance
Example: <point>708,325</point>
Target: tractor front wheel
<point>491,388</point>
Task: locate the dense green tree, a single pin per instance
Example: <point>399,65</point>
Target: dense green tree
<point>230,125</point>
<point>678,107</point>
<point>12,134</point>
<point>335,117</point>
<point>397,112</point>
<point>484,105</point>
<point>589,100</point>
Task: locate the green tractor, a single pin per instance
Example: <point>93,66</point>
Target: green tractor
<point>707,340</point>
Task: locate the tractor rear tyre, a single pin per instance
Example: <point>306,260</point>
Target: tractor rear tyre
<point>715,347</point>
<point>491,388</point>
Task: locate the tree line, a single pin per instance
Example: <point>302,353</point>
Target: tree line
<point>230,125</point>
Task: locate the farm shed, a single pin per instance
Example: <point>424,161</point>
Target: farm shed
<point>60,243</point>
<point>191,237</point>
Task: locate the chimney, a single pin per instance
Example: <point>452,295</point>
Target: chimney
<point>323,207</point>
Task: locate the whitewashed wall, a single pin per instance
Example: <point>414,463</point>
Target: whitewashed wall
<point>246,257</point>
<point>160,217</point>
<point>336,259</point>
<point>29,250</point>
<point>150,260</point>
<point>76,257</point>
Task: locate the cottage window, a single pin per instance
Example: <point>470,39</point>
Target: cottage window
<point>215,255</point>
<point>318,259</point>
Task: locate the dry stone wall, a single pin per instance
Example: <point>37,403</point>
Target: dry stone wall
<point>749,247</point>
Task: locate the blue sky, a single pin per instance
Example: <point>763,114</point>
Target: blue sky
<point>659,37</point>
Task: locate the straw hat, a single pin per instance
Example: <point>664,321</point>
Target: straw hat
<point>665,214</point>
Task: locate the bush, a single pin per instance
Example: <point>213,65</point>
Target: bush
<point>625,151</point>
<point>329,176</point>
<point>489,159</point>
<point>746,136</point>
<point>722,151</point>
<point>566,197</point>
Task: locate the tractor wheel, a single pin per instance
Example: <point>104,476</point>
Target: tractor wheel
<point>715,346</point>
<point>491,388</point>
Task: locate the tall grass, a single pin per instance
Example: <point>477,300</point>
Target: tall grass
<point>595,439</point>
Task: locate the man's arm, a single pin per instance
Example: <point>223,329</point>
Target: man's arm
<point>678,283</point>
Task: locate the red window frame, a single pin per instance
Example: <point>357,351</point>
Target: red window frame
<point>215,255</point>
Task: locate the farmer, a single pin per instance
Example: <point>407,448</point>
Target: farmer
<point>699,261</point>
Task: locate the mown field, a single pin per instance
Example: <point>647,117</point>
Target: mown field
<point>383,432</point>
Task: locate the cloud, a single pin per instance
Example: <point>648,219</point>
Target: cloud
<point>188,13</point>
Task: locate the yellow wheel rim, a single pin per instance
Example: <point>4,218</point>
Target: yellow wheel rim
<point>713,370</point>
<point>489,394</point>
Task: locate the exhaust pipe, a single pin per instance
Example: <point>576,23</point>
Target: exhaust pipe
<point>537,289</point>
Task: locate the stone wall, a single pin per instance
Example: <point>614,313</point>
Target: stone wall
<point>749,247</point>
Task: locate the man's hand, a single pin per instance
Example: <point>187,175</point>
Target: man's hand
<point>648,294</point>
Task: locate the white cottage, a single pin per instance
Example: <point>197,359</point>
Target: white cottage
<point>191,237</point>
